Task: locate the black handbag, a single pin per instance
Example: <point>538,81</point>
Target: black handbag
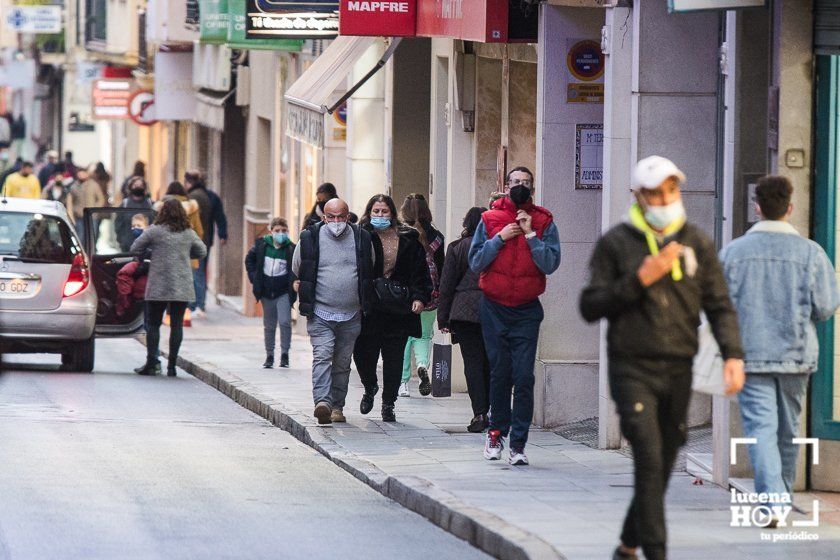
<point>391,296</point>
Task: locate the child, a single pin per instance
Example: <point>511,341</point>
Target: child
<point>268,264</point>
<point>131,279</point>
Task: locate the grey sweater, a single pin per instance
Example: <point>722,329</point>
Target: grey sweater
<point>170,273</point>
<point>337,289</point>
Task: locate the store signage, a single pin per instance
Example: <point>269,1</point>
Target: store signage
<point>236,32</point>
<point>589,156</point>
<point>487,21</point>
<point>140,107</point>
<point>378,18</point>
<point>698,5</point>
<point>280,19</point>
<point>214,21</point>
<point>34,19</point>
<point>305,125</point>
<point>110,98</point>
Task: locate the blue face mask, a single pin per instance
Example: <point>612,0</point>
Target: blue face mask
<point>280,238</point>
<point>136,232</point>
<point>379,222</point>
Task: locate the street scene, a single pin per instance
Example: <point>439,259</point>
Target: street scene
<point>340,279</point>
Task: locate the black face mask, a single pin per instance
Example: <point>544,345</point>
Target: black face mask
<point>520,194</point>
<point>138,192</point>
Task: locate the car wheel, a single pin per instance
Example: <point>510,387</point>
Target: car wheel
<point>81,357</point>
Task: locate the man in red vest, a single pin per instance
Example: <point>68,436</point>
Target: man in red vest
<point>514,247</point>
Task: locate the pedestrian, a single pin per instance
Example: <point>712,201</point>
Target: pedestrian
<point>458,313</point>
<point>781,284</point>
<point>268,265</point>
<point>176,191</point>
<point>323,194</point>
<point>211,213</point>
<point>172,243</point>
<point>415,213</point>
<point>333,264</point>
<point>55,189</point>
<point>14,168</point>
<point>69,165</point>
<point>514,247</point>
<point>48,170</point>
<point>650,277</point>
<point>139,170</point>
<point>138,199</point>
<point>84,193</point>
<point>403,288</point>
<point>22,183</point>
<point>132,277</point>
<point>103,179</point>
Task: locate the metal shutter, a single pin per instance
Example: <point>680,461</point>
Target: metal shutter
<point>827,26</point>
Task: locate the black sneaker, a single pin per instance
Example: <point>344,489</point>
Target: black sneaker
<point>148,369</point>
<point>621,555</point>
<point>284,360</point>
<point>425,383</point>
<point>478,424</point>
<point>367,400</point>
<point>170,371</point>
<point>269,361</point>
<point>388,413</point>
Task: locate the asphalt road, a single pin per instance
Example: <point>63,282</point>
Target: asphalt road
<point>115,465</point>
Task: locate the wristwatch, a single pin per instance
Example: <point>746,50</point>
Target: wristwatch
<point>531,235</point>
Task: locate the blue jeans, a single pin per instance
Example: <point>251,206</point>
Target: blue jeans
<point>200,284</point>
<point>510,337</point>
<point>770,407</point>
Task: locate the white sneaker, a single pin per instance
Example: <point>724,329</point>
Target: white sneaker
<point>199,314</point>
<point>404,390</point>
<point>494,443</point>
<point>518,457</point>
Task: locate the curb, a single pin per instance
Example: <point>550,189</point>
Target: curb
<point>482,529</point>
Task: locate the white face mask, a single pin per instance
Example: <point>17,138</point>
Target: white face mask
<point>660,217</point>
<point>337,228</point>
<point>57,192</point>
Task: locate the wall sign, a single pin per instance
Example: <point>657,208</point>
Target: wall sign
<point>34,19</point>
<point>589,156</point>
<point>584,93</point>
<point>697,5</point>
<point>365,18</point>
<point>140,107</point>
<point>280,19</point>
<point>110,98</point>
<point>585,60</point>
<point>488,21</point>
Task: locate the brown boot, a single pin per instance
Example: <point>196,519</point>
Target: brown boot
<point>323,410</point>
<point>337,416</point>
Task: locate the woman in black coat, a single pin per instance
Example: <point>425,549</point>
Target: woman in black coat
<point>458,306</point>
<point>400,261</point>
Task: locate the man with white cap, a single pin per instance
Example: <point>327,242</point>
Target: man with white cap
<point>48,169</point>
<point>650,277</point>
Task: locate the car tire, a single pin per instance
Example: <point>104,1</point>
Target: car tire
<point>81,357</point>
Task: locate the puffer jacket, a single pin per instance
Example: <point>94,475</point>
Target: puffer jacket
<point>460,296</point>
<point>782,284</point>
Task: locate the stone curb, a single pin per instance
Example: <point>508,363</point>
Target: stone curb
<point>481,529</point>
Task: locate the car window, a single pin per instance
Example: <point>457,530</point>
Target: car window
<point>36,238</point>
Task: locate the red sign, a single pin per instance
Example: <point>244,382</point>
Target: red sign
<point>140,107</point>
<point>110,98</point>
<point>377,18</point>
<point>472,20</point>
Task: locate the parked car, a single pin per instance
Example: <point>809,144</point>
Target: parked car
<point>56,295</point>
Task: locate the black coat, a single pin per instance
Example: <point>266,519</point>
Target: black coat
<point>460,296</point>
<point>410,270</point>
<point>254,261</point>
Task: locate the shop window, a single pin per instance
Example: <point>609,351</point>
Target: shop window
<point>96,21</point>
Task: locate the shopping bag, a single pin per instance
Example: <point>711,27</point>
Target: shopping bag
<point>708,363</point>
<point>442,366</point>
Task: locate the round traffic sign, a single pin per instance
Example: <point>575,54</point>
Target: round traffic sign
<point>585,60</point>
<point>139,107</point>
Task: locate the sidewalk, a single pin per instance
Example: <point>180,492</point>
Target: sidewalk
<point>568,504</point>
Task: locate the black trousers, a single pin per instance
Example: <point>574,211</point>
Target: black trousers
<point>652,397</point>
<point>176,329</point>
<point>370,344</point>
<point>476,365</point>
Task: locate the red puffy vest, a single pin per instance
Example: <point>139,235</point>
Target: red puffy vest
<point>513,279</point>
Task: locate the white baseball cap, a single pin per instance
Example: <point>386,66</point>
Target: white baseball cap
<point>653,171</point>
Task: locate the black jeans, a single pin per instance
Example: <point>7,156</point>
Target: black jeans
<point>366,353</point>
<point>476,365</point>
<point>176,329</point>
<point>652,397</point>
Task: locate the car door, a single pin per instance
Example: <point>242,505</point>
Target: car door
<point>107,237</point>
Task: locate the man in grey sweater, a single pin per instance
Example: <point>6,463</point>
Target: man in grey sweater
<point>333,264</point>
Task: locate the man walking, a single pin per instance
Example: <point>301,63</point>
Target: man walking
<point>22,183</point>
<point>334,266</point>
<point>514,247</point>
<point>782,284</point>
<point>650,277</point>
<point>211,213</point>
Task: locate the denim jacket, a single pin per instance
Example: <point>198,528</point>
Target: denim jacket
<point>782,284</point>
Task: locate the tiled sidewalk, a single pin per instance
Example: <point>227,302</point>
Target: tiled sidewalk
<point>568,504</point>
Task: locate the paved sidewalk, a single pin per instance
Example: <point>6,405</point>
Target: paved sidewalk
<point>568,504</point>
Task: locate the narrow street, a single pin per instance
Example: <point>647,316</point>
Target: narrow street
<point>114,465</point>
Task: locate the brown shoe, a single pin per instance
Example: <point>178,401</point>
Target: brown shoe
<point>338,416</point>
<point>323,410</point>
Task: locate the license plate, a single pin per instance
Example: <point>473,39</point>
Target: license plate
<point>17,288</point>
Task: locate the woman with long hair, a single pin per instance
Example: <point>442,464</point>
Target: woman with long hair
<point>176,191</point>
<point>415,213</point>
<point>172,243</point>
<point>403,289</point>
<point>458,313</point>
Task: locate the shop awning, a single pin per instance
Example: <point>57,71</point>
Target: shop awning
<point>210,109</point>
<point>309,96</point>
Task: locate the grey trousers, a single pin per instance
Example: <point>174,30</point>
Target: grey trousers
<point>277,311</point>
<point>332,349</point>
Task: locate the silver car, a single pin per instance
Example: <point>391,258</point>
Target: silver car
<point>56,295</point>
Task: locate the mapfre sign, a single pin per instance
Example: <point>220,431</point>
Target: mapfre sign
<point>373,18</point>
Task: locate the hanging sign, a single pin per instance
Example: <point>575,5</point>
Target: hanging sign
<point>280,19</point>
<point>365,18</point>
<point>698,5</point>
<point>589,156</point>
<point>140,107</point>
<point>34,19</point>
<point>110,98</point>
<point>488,21</point>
